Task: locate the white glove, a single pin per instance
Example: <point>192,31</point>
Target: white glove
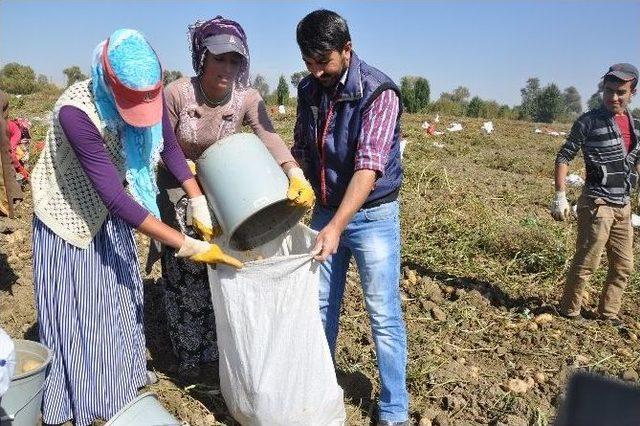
<point>560,208</point>
<point>201,218</point>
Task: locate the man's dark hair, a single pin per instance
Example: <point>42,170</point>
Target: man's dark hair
<point>320,32</point>
<point>615,79</point>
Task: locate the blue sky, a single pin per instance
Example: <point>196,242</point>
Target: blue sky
<point>491,47</point>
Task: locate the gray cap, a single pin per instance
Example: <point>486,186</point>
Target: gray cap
<point>224,43</point>
<point>625,72</point>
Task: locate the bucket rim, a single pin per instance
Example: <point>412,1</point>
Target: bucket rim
<point>35,371</point>
<point>131,403</point>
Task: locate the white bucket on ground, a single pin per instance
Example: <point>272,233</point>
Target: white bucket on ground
<point>20,406</point>
<point>247,191</point>
<point>145,410</point>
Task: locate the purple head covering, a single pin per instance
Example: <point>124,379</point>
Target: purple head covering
<point>200,31</point>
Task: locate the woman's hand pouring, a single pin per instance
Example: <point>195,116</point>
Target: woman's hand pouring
<point>202,251</point>
<point>201,218</point>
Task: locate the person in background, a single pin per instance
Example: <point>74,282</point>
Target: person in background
<point>347,137</point>
<point>203,109</point>
<point>94,183</point>
<point>608,137</point>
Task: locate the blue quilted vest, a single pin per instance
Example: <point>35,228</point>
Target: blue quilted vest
<point>330,153</point>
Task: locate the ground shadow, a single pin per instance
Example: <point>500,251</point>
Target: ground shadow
<point>357,390</point>
<point>496,296</point>
<point>7,277</point>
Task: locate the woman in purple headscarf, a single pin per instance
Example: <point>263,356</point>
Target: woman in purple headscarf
<point>203,109</point>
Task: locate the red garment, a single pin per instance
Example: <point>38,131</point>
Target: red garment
<point>15,138</point>
<point>625,129</point>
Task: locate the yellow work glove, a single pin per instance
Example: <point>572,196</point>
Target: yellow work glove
<point>202,251</point>
<point>192,167</point>
<point>300,192</point>
<point>202,220</point>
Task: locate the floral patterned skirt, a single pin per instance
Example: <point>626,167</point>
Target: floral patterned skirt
<point>187,298</point>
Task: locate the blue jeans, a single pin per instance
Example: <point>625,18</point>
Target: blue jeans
<point>373,238</point>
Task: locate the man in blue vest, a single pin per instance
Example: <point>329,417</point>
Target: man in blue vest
<point>347,140</point>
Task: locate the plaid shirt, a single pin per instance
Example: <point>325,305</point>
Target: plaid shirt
<point>611,170</point>
<point>376,136</point>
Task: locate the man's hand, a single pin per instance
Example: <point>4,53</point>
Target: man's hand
<point>201,251</point>
<point>300,192</point>
<point>560,208</point>
<point>201,218</point>
<point>327,243</point>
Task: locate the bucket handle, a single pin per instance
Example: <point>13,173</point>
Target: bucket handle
<point>11,417</point>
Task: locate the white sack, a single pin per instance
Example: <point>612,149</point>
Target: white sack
<point>487,127</point>
<point>275,364</point>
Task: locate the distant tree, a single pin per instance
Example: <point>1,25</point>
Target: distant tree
<point>73,74</point>
<point>169,76</point>
<point>261,85</point>
<point>297,77</point>
<point>421,93</point>
<point>42,80</point>
<point>572,101</point>
<point>529,94</point>
<point>594,101</point>
<point>504,111</point>
<point>407,90</point>
<point>474,109</point>
<point>282,91</point>
<point>17,79</point>
<point>459,95</point>
<point>635,113</point>
<point>548,104</point>
<point>489,109</point>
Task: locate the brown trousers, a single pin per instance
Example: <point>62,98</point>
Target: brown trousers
<point>600,225</point>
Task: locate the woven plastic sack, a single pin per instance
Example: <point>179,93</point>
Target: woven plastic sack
<point>275,364</point>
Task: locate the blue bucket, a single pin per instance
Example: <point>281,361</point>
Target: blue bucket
<point>145,410</point>
<point>247,191</point>
<point>20,405</point>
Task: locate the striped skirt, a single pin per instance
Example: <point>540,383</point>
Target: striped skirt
<point>90,313</point>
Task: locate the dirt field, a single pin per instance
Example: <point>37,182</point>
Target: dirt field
<point>482,261</point>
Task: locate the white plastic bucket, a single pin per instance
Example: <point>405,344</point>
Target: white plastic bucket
<point>247,191</point>
<point>20,406</point>
<point>145,410</point>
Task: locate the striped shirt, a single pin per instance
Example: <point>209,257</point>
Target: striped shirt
<point>376,135</point>
<point>610,168</point>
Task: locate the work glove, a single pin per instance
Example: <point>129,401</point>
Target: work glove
<point>560,209</point>
<point>202,251</point>
<point>201,218</point>
<point>192,167</point>
<point>300,193</point>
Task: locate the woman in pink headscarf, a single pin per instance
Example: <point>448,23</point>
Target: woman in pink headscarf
<point>203,109</point>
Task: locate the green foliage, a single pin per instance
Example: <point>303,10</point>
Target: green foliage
<point>448,107</point>
<point>504,111</point>
<point>408,94</point>
<point>572,101</point>
<point>529,95</point>
<point>474,109</point>
<point>415,92</point>
<point>261,85</point>
<point>548,104</point>
<point>169,76</point>
<point>297,77</point>
<point>459,95</point>
<point>421,91</point>
<point>282,92</point>
<point>17,79</point>
<point>594,101</point>
<point>73,74</point>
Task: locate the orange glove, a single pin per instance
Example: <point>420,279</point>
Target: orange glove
<point>201,251</point>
